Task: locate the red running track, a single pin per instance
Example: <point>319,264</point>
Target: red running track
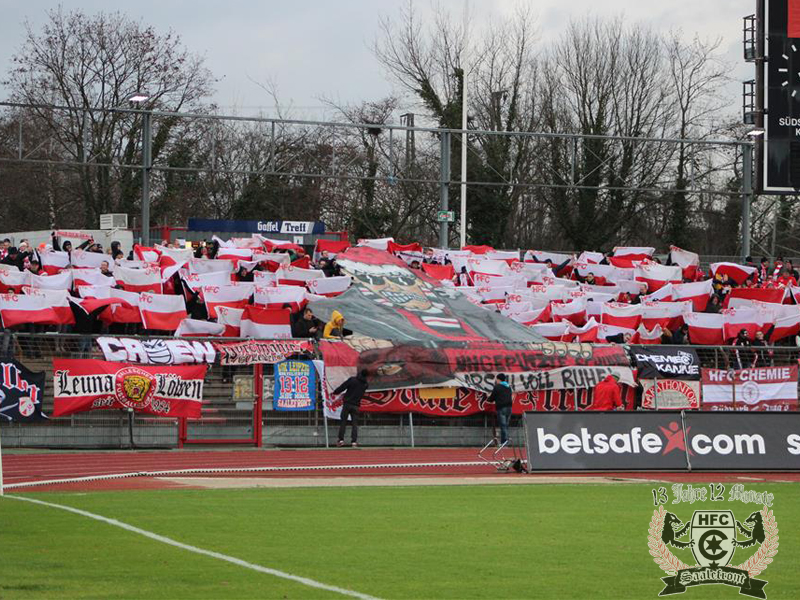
<point>23,471</point>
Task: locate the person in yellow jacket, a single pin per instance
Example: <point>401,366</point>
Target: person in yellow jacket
<point>335,327</point>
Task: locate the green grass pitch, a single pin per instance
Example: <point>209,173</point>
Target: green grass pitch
<point>491,541</point>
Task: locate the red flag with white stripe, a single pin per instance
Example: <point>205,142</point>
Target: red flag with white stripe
<point>329,286</point>
<point>295,276</point>
<point>173,256</point>
<point>627,316</point>
<point>265,323</point>
<point>235,296</point>
<point>689,262</point>
<point>58,300</point>
<point>774,296</point>
<point>555,332</point>
<point>750,319</point>
<point>196,281</point>
<point>198,328</point>
<point>12,279</point>
<point>333,248</point>
<point>91,278</point>
<point>265,279</point>
<point>634,252</point>
<point>161,311</point>
<point>739,273</point>
<point>657,276</point>
<point>88,260</point>
<point>235,254</point>
<point>534,316</point>
<point>121,313</point>
<point>231,319</point>
<point>705,329</point>
<point>786,327</point>
<point>19,309</point>
<point>377,244</point>
<point>205,265</point>
<point>606,331</point>
<point>59,281</point>
<point>645,336</point>
<point>574,311</point>
<point>588,334</point>
<point>666,315</point>
<point>145,253</point>
<point>53,262</point>
<point>139,280</point>
<point>698,293</point>
<point>276,297</point>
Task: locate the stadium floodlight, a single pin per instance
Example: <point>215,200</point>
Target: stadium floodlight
<point>139,98</point>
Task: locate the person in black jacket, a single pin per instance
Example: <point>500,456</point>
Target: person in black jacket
<point>306,325</point>
<point>503,402</point>
<point>353,389</point>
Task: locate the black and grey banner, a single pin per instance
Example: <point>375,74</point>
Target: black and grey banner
<point>662,362</point>
<point>662,441</point>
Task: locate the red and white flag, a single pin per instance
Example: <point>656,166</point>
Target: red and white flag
<point>161,311</point>
<point>634,252</point>
<point>657,276</point>
<point>537,256</point>
<point>145,253</point>
<point>329,286</point>
<point>705,329</point>
<point>173,256</point>
<point>574,312</point>
<point>534,316</point>
<point>139,280</point>
<point>59,281</point>
<point>698,293</point>
<point>122,313</point>
<point>607,331</point>
<point>235,296</point>
<point>774,296</point>
<point>378,244</point>
<point>750,319</point>
<point>276,297</point>
<point>235,254</point>
<point>271,261</point>
<point>506,255</point>
<point>588,334</point>
<point>786,327</point>
<point>12,280</point>
<point>627,316</point>
<point>204,265</point>
<point>231,319</point>
<point>769,388</point>
<point>53,262</point>
<point>91,278</point>
<point>645,336</point>
<point>197,281</point>
<point>739,273</point>
<point>666,315</point>
<point>19,309</point>
<point>198,328</point>
<point>439,272</point>
<point>555,332</point>
<point>58,300</point>
<point>82,259</point>
<point>689,262</point>
<point>333,247</point>
<point>295,276</point>
<point>265,323</point>
<point>592,258</point>
<point>265,279</point>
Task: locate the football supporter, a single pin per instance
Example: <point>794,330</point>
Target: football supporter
<point>503,401</point>
<point>607,394</point>
<point>353,390</point>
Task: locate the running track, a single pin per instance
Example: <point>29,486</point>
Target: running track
<point>140,469</point>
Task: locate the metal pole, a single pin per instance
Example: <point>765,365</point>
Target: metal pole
<point>464,140</point>
<point>411,427</point>
<point>747,196</point>
<point>686,441</point>
<point>325,420</point>
<point>147,165</point>
<point>444,188</point>
<point>760,83</point>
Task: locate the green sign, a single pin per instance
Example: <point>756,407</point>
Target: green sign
<point>445,216</point>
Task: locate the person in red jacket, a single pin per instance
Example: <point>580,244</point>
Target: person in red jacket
<point>607,394</point>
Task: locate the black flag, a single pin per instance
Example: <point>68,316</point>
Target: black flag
<point>21,392</point>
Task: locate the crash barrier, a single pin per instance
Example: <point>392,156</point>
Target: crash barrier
<point>663,441</point>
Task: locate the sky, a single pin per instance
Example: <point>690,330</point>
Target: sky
<point>321,48</point>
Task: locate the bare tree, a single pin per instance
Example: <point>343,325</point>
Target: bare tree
<point>92,65</point>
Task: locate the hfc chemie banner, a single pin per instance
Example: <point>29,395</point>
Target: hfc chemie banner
<point>769,388</point>
<point>295,385</point>
<point>165,391</point>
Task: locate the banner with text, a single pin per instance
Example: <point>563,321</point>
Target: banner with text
<point>295,385</point>
<point>670,394</point>
<point>769,388</point>
<point>21,392</point>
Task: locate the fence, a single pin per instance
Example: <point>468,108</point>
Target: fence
<point>237,408</point>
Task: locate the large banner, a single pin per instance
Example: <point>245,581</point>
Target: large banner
<point>167,391</point>
<point>295,385</point>
<point>769,388</point>
<point>387,300</point>
<point>663,362</point>
<point>21,392</point>
<point>616,441</point>
<point>474,365</point>
<point>260,351</point>
<point>670,394</point>
<point>156,351</point>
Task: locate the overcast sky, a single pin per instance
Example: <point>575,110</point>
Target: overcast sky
<point>314,48</point>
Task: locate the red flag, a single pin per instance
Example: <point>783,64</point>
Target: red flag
<point>12,279</point>
<point>738,273</point>
<point>440,272</point>
<point>18,309</point>
<point>161,311</point>
<point>555,332</point>
<point>145,253</point>
<point>698,293</point>
<point>292,275</point>
<point>276,297</point>
<point>705,329</point>
<point>82,259</point>
<point>91,278</point>
<point>774,296</point>
<point>627,316</point>
<point>164,391</point>
<point>139,280</point>
<point>478,249</point>
<point>793,29</point>
<point>265,323</point>
<point>333,247</point>
<point>574,312</point>
<point>59,281</point>
<point>231,319</point>
<point>233,295</point>
<point>58,301</point>
<point>53,262</point>
<point>329,286</point>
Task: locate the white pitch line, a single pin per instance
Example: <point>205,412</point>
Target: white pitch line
<point>224,557</point>
<point>200,471</point>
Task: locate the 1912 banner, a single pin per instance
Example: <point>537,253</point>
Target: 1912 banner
<point>295,385</point>
<point>165,391</point>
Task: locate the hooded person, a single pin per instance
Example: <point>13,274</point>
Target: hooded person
<point>335,327</point>
<point>353,390</point>
<point>607,394</point>
<point>503,401</point>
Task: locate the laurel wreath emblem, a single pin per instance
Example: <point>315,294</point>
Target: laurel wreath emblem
<point>671,564</point>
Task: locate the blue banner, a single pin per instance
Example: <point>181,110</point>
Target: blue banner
<point>295,385</point>
<point>262,227</point>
